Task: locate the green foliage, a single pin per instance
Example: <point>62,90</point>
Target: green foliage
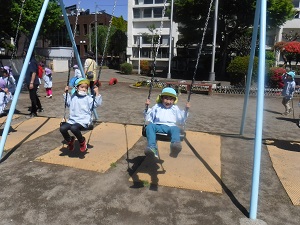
<point>238,69</point>
<point>51,22</point>
<point>118,42</point>
<point>101,38</point>
<point>126,68</point>
<point>120,23</point>
<point>113,165</point>
<point>279,11</point>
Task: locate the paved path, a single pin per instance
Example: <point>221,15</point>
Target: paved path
<point>39,193</point>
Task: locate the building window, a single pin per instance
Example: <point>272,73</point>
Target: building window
<point>148,1</point>
<point>165,40</point>
<point>137,40</point>
<point>136,13</point>
<point>296,3</point>
<point>164,53</point>
<point>157,12</point>
<point>136,2</point>
<point>146,39</point>
<point>147,13</point>
<point>77,30</point>
<point>85,29</point>
<point>146,53</point>
<point>159,1</point>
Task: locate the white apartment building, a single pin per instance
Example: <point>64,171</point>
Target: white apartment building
<point>291,26</point>
<point>143,14</point>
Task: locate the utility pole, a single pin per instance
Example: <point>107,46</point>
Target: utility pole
<point>139,62</point>
<point>96,31</point>
<point>170,41</point>
<point>212,75</point>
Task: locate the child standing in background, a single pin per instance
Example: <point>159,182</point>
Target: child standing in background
<point>48,82</point>
<point>288,91</point>
<point>5,97</point>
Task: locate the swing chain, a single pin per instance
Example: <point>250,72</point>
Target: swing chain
<point>106,39</point>
<point>104,49</point>
<point>156,53</point>
<point>200,48</point>
<point>17,32</point>
<point>76,20</point>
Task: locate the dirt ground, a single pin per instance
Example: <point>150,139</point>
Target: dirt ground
<point>39,193</point>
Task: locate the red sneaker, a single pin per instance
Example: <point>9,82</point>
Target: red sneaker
<point>71,144</point>
<point>83,146</point>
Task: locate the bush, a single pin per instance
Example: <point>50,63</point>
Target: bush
<point>275,77</point>
<point>145,68</point>
<point>126,68</point>
<point>238,69</point>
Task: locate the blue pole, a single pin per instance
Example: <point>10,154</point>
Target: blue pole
<point>250,66</point>
<point>22,76</point>
<point>259,112</point>
<point>67,22</point>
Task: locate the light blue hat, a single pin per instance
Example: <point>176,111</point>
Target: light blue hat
<point>78,82</point>
<point>168,91</point>
<point>292,74</point>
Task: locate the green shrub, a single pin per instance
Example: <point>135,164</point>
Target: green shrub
<point>126,68</point>
<point>238,69</point>
<point>145,68</point>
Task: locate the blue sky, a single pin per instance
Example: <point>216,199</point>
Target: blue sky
<point>107,5</point>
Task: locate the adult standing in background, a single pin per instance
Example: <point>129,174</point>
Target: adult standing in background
<point>32,82</point>
<point>90,69</point>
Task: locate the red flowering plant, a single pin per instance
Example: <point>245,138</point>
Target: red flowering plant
<point>291,51</point>
<point>292,47</point>
<point>275,80</point>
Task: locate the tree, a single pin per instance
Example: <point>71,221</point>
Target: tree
<point>101,39</point>
<point>120,23</point>
<point>233,21</point>
<point>9,23</point>
<point>118,42</point>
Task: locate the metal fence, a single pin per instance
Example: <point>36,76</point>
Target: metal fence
<point>231,90</point>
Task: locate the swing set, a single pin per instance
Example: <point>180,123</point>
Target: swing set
<point>97,82</point>
<point>28,56</point>
<point>166,136</point>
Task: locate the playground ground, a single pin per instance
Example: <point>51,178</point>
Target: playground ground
<point>41,193</point>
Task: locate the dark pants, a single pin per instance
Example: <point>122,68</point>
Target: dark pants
<point>74,128</point>
<point>35,101</point>
<point>92,87</point>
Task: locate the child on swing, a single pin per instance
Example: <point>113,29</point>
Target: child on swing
<point>164,117</point>
<point>5,97</point>
<point>80,104</point>
<point>9,79</point>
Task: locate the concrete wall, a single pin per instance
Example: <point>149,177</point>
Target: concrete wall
<point>60,65</point>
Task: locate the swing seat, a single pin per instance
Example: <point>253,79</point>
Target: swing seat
<point>164,136</point>
<point>90,126</point>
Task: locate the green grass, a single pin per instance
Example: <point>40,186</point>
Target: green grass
<point>113,165</point>
<point>146,183</point>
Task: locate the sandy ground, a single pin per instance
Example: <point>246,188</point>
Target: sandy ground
<point>39,193</point>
